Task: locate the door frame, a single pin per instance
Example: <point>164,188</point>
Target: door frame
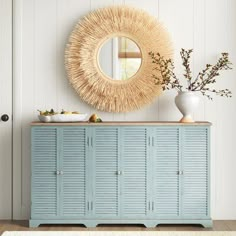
<point>6,108</point>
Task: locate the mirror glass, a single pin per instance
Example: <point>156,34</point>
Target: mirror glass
<point>120,58</point>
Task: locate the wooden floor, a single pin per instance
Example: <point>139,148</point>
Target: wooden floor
<point>218,225</point>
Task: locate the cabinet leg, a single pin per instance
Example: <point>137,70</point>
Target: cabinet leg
<point>90,224</point>
<point>34,223</point>
<point>151,224</point>
<point>207,224</point>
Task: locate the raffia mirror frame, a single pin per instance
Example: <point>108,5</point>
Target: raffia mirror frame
<point>82,64</point>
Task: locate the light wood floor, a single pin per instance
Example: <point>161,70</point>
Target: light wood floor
<point>218,225</point>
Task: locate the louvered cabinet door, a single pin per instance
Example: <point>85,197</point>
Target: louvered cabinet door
<point>134,172</point>
<point>195,172</point>
<point>105,146</point>
<point>44,179</point>
<point>73,176</point>
<point>165,167</point>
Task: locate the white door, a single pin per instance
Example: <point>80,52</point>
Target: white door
<point>5,109</point>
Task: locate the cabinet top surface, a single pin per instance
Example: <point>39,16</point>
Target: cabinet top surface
<point>115,123</point>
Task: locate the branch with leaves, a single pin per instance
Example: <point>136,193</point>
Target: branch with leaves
<point>167,79</point>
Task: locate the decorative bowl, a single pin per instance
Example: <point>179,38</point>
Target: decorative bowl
<point>44,118</point>
<point>63,118</point>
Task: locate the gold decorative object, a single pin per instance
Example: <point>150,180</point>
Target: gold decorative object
<point>95,118</point>
<point>82,64</point>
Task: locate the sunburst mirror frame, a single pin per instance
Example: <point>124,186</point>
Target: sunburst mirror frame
<point>82,64</point>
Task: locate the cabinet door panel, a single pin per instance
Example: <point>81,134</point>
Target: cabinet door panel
<point>165,172</point>
<point>195,167</point>
<point>73,161</point>
<point>105,160</point>
<point>134,156</point>
<point>44,167</point>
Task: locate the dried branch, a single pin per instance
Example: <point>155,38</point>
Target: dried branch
<point>166,77</point>
<point>185,55</point>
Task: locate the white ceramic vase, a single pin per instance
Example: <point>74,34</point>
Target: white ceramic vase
<point>187,102</point>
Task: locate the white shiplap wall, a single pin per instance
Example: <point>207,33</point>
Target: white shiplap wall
<point>41,31</point>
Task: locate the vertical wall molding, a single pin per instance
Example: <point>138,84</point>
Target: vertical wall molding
<point>17,108</point>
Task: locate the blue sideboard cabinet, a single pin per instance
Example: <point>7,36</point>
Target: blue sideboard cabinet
<point>135,172</point>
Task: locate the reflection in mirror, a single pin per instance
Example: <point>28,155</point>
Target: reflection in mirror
<point>120,58</point>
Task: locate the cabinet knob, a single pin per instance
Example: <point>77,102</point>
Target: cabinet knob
<point>119,172</point>
<point>180,172</point>
<point>61,172</point>
<point>57,172</point>
<point>5,118</point>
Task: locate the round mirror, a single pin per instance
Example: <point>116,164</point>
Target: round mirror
<point>120,58</point>
<point>99,52</point>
